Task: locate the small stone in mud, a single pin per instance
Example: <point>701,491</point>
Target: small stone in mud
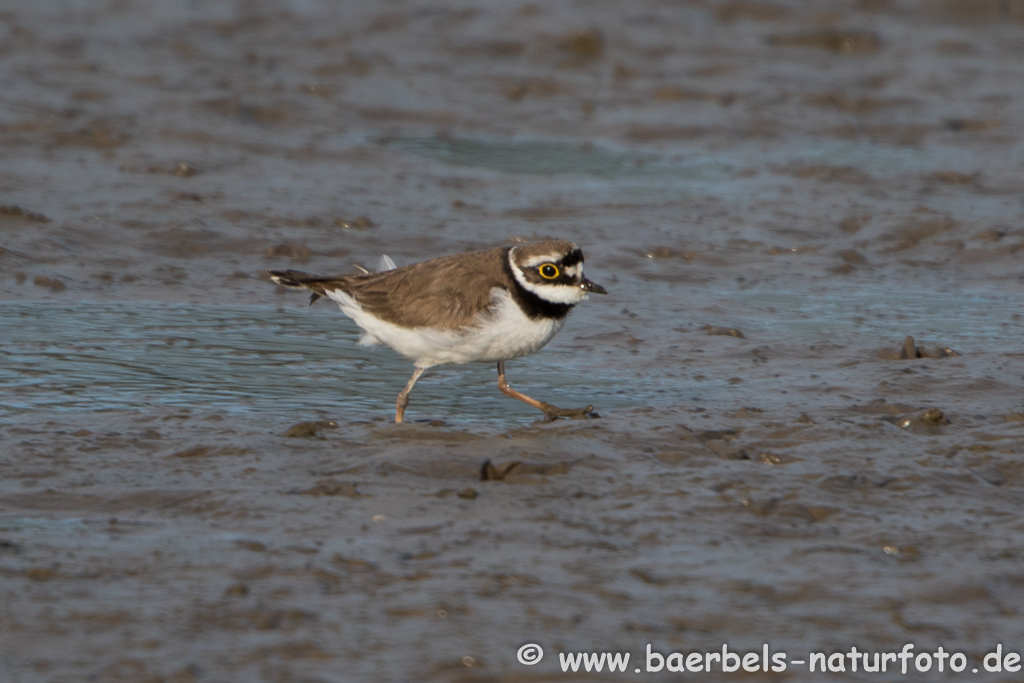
<point>237,590</point>
<point>905,552</point>
<point>622,72</point>
<point>972,125</point>
<point>990,235</point>
<point>769,458</point>
<point>844,42</point>
<point>355,564</point>
<point>747,411</point>
<point>309,430</point>
<point>924,422</point>
<point>853,256</point>
<point>811,513</point>
<point>253,546</point>
<point>467,494</point>
<point>761,508</point>
<point>361,223</point>
<point>582,46</point>
<point>205,451</point>
<point>184,170</point>
<point>937,352</point>
<point>672,457</point>
<point>954,178</point>
<point>716,434</point>
<point>532,88</point>
<point>722,331</point>
<point>854,223</point>
<point>41,573</point>
<point>556,468</point>
<point>332,488</point>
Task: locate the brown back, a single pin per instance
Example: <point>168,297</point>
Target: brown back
<point>446,292</point>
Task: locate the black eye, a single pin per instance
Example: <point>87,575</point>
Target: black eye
<point>549,271</point>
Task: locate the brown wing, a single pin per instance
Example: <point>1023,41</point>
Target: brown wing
<point>446,293</point>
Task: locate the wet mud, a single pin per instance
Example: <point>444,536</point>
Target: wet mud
<point>808,369</point>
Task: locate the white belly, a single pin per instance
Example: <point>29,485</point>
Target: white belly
<point>505,334</point>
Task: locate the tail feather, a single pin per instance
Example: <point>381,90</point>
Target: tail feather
<point>296,279</point>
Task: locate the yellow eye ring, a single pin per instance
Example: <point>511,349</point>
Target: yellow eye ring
<point>549,271</point>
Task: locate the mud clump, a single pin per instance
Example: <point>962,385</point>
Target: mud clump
<point>309,430</point>
<point>852,224</point>
<point>925,421</point>
<point>298,252</point>
<point>910,351</point>
<point>16,212</point>
<point>491,472</point>
<point>722,331</point>
<point>853,257</point>
<point>581,47</point>
<point>52,284</point>
<point>331,487</point>
<point>842,42</point>
<point>972,125</point>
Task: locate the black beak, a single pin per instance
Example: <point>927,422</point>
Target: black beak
<point>588,286</point>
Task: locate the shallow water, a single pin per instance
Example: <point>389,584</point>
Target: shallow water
<point>248,359</point>
<point>673,171</point>
<point>245,359</point>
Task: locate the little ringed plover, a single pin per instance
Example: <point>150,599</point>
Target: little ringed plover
<point>479,306</point>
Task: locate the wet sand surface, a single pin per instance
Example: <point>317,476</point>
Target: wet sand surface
<point>199,480</point>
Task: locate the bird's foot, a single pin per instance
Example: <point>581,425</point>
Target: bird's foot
<point>552,413</point>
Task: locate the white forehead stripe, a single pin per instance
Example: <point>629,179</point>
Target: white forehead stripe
<point>545,258</point>
<point>574,271</point>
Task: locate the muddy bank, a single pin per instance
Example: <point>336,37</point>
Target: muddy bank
<point>377,549</point>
